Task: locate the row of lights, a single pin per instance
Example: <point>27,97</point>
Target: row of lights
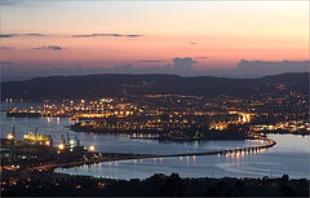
<point>90,148</point>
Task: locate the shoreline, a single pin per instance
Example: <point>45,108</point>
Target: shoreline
<point>270,144</point>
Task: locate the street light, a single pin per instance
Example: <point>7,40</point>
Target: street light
<point>10,136</point>
<point>71,142</point>
<point>61,146</point>
<point>47,143</point>
<point>91,148</point>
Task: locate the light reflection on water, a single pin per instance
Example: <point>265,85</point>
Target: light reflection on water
<point>112,143</point>
<point>291,154</point>
<point>268,163</point>
<point>274,162</point>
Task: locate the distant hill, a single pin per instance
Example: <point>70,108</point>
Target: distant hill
<point>95,86</point>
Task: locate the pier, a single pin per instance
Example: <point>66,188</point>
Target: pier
<point>250,149</point>
<point>121,157</point>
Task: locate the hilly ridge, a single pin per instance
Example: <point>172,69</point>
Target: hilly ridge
<point>95,86</point>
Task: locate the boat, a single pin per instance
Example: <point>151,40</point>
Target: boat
<point>37,138</point>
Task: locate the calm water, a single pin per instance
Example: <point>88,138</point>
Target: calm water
<point>290,156</point>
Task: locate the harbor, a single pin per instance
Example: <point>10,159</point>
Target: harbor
<point>152,153</point>
<point>70,153</point>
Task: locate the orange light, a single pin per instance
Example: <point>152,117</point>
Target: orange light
<point>61,146</point>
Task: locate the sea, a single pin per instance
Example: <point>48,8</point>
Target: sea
<point>290,156</point>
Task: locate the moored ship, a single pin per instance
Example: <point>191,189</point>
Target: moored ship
<point>37,138</point>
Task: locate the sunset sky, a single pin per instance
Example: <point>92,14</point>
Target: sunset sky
<point>104,33</point>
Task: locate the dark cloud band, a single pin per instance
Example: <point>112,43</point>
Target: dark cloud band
<point>6,48</point>
<point>17,35</point>
<point>106,35</point>
<point>49,47</point>
<point>151,61</point>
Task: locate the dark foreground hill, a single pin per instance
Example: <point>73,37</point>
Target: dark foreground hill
<point>94,86</point>
<point>59,185</point>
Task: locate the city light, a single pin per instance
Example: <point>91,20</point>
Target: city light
<point>71,142</point>
<point>47,143</point>
<point>36,138</point>
<point>10,136</point>
<point>91,148</point>
<point>61,146</point>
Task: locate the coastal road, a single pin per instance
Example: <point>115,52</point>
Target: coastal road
<point>119,157</point>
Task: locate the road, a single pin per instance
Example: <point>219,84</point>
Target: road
<point>119,157</point>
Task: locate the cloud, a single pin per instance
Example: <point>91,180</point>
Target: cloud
<point>9,2</point>
<point>6,48</point>
<point>23,34</point>
<point>97,35</point>
<point>179,66</point>
<point>183,65</point>
<point>255,69</point>
<point>192,43</point>
<point>8,35</point>
<point>49,47</point>
<point>106,35</point>
<point>271,67</point>
<point>18,2</point>
<point>201,57</point>
<point>21,71</point>
<point>2,63</point>
<point>34,34</point>
<point>13,35</point>
<point>133,35</point>
<point>151,61</point>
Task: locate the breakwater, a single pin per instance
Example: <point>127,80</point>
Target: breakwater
<point>251,149</point>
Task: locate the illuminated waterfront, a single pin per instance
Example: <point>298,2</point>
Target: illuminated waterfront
<point>113,143</point>
<point>282,159</point>
<point>290,156</point>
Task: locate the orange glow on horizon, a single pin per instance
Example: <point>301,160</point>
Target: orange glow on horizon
<point>223,32</point>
